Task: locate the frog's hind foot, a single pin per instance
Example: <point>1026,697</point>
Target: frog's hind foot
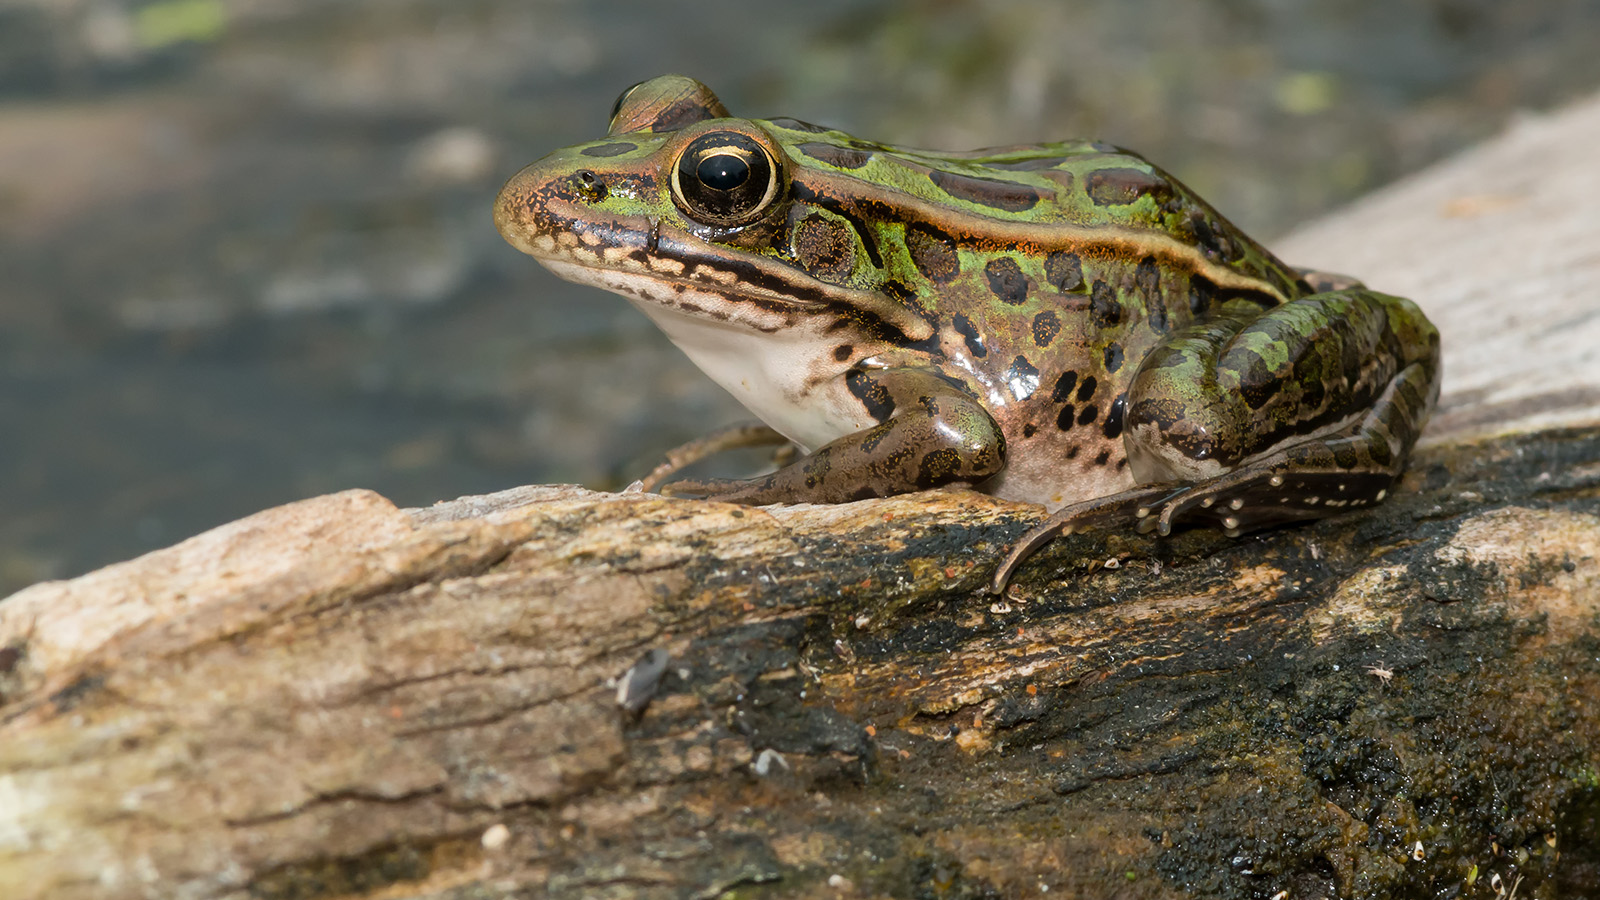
<point>1254,497</point>
<point>1261,496</point>
<point>1116,509</point>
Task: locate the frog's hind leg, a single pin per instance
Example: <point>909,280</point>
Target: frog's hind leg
<point>1312,478</point>
<point>1299,412</point>
<point>1258,418</point>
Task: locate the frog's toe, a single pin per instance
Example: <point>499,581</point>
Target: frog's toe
<point>1115,509</point>
<point>704,488</point>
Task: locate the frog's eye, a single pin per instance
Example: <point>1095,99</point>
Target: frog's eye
<point>724,178</point>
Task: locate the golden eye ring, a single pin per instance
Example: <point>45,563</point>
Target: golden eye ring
<point>725,178</point>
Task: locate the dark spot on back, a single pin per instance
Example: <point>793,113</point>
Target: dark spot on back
<point>966,329</point>
<point>1022,378</point>
<point>986,191</point>
<point>1006,280</point>
<point>1112,427</point>
<point>1104,308</point>
<point>1103,457</point>
<point>1147,278</point>
<point>835,155</point>
<point>1086,390</point>
<point>873,395</point>
<point>1072,452</point>
<point>1213,242</point>
<point>1114,187</point>
<point>1113,357</point>
<point>1064,386</point>
<point>1202,295</point>
<point>1147,281</point>
<point>1045,328</point>
<point>1157,317</point>
<point>614,149</point>
<point>933,253</point>
<point>1089,414</point>
<point>825,248</point>
<point>1029,430</point>
<point>1064,270</point>
<point>842,352</point>
<point>1065,418</point>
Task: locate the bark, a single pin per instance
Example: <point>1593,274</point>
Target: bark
<point>338,698</point>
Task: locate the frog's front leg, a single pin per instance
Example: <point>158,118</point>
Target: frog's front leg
<point>1257,418</point>
<point>931,433</point>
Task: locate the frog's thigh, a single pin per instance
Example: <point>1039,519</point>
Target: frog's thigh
<point>932,433</point>
<point>1291,413</point>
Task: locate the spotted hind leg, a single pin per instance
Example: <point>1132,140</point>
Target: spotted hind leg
<point>1313,478</point>
<point>1257,418</point>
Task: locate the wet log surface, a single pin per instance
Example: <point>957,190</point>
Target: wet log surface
<point>338,698</point>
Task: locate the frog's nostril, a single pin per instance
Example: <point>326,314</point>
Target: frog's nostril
<point>590,186</point>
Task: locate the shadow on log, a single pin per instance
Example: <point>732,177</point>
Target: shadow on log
<point>337,698</point>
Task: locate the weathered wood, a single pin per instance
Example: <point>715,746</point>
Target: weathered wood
<point>338,698</point>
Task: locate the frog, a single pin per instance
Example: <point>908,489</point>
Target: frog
<point>1064,324</point>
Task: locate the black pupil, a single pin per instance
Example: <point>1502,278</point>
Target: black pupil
<point>723,172</point>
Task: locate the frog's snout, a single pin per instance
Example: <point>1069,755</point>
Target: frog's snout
<point>522,209</point>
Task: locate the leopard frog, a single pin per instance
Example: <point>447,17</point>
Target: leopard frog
<point>1061,323</point>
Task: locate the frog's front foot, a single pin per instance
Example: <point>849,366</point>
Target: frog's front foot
<point>731,438</point>
<point>751,492</point>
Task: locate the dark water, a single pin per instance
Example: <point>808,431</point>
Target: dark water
<point>246,252</point>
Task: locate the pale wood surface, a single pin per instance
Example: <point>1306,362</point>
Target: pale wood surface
<point>338,698</point>
<point>1501,247</point>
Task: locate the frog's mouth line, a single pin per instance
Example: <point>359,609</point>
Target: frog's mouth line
<point>650,261</point>
<point>687,296</point>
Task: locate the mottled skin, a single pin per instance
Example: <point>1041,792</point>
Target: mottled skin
<point>1059,323</point>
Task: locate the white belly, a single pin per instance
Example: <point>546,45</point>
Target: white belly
<point>785,377</point>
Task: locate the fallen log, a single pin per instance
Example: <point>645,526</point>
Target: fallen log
<point>556,692</point>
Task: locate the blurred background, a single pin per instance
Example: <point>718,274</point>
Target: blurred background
<point>246,254</point>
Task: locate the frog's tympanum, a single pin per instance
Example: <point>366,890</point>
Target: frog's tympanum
<point>1064,324</point>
